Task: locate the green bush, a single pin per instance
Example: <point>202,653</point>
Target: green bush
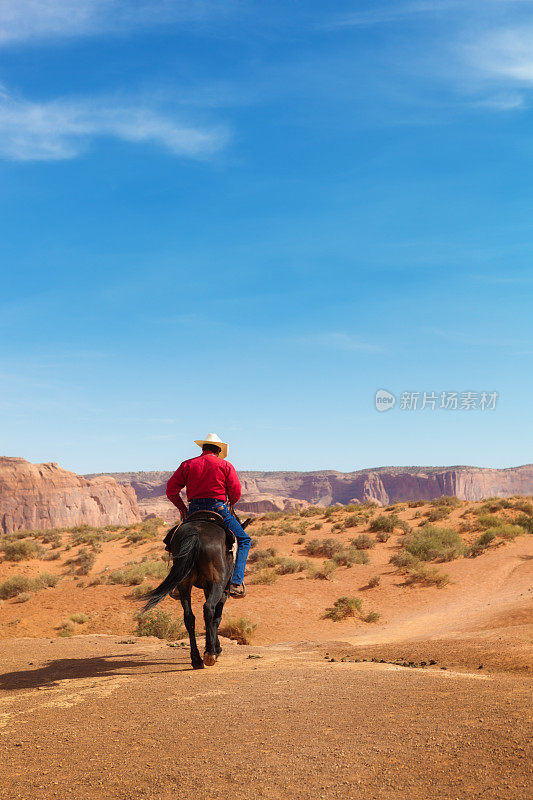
<point>363,542</point>
<point>160,623</point>
<point>403,559</point>
<point>416,503</point>
<point>317,526</point>
<point>14,586</point>
<point>488,520</point>
<point>239,629</point>
<point>79,618</point>
<point>436,514</point>
<point>480,544</point>
<point>374,581</point>
<point>349,556</point>
<point>311,511</point>
<point>384,522</point>
<point>288,566</point>
<point>426,575</point>
<point>525,522</point>
<point>372,616</point>
<point>383,536</point>
<point>136,574</point>
<point>344,607</point>
<point>447,501</point>
<point>24,597</point>
<point>506,531</point>
<point>323,547</point>
<point>259,555</point>
<point>323,573</point>
<point>337,526</point>
<point>22,551</point>
<point>352,520</point>
<point>264,576</point>
<point>429,543</point>
<point>149,529</point>
<point>45,580</point>
<point>66,629</point>
<point>84,561</point>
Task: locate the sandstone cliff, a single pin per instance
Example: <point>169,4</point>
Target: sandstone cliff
<point>273,491</point>
<point>38,496</point>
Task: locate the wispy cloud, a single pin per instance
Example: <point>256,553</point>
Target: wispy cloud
<point>34,20</point>
<point>395,12</point>
<point>503,54</point>
<point>62,129</point>
<point>338,340</point>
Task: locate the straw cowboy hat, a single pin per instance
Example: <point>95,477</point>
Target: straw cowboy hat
<point>212,438</point>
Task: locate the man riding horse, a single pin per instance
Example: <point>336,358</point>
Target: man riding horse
<point>210,481</point>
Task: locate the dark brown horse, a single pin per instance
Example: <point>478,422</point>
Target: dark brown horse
<point>202,559</point>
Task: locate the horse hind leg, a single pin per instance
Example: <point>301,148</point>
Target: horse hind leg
<point>189,620</point>
<point>212,602</point>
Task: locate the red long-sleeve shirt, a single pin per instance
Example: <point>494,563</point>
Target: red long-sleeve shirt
<point>206,475</point>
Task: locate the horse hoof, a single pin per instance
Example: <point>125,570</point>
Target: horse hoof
<point>200,665</point>
<point>210,659</point>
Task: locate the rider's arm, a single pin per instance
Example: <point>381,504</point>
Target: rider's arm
<point>174,486</point>
<point>233,485</point>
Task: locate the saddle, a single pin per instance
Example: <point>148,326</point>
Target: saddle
<point>207,516</point>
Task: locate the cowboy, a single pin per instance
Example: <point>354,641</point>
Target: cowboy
<point>209,480</point>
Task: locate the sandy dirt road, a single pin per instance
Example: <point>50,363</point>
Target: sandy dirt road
<point>101,717</point>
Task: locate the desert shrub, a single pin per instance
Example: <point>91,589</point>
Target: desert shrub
<point>488,520</point>
<point>446,500</point>
<point>135,575</point>
<point>416,503</point>
<point>45,580</point>
<point>383,523</point>
<point>429,543</point>
<point>79,618</point>
<point>323,573</point>
<point>317,526</point>
<point>383,536</point>
<point>363,542</point>
<point>323,547</point>
<point>148,529</point>
<point>403,526</point>
<point>374,581</point>
<point>436,514</point>
<point>506,531</point>
<point>52,537</point>
<point>66,629</point>
<point>403,559</point>
<point>311,511</point>
<point>160,623</point>
<point>494,504</point>
<point>240,629</point>
<point>288,566</point>
<point>24,597</point>
<point>344,607</point>
<point>262,555</point>
<point>264,576</point>
<point>525,506</point>
<point>525,522</point>
<point>300,540</point>
<point>480,544</point>
<point>346,557</point>
<point>372,616</point>
<point>424,574</point>
<point>139,592</point>
<point>270,515</point>
<point>14,586</point>
<point>330,510</point>
<point>353,519</point>
<point>22,550</point>
<point>84,561</point>
<point>51,555</point>
<point>337,526</point>
<point>89,536</point>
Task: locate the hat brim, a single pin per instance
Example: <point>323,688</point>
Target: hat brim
<point>223,446</point>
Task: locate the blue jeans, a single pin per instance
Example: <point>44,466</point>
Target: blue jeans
<point>243,540</point>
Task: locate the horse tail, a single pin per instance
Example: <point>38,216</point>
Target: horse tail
<point>183,564</point>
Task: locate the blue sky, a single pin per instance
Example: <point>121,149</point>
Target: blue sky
<point>248,217</point>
